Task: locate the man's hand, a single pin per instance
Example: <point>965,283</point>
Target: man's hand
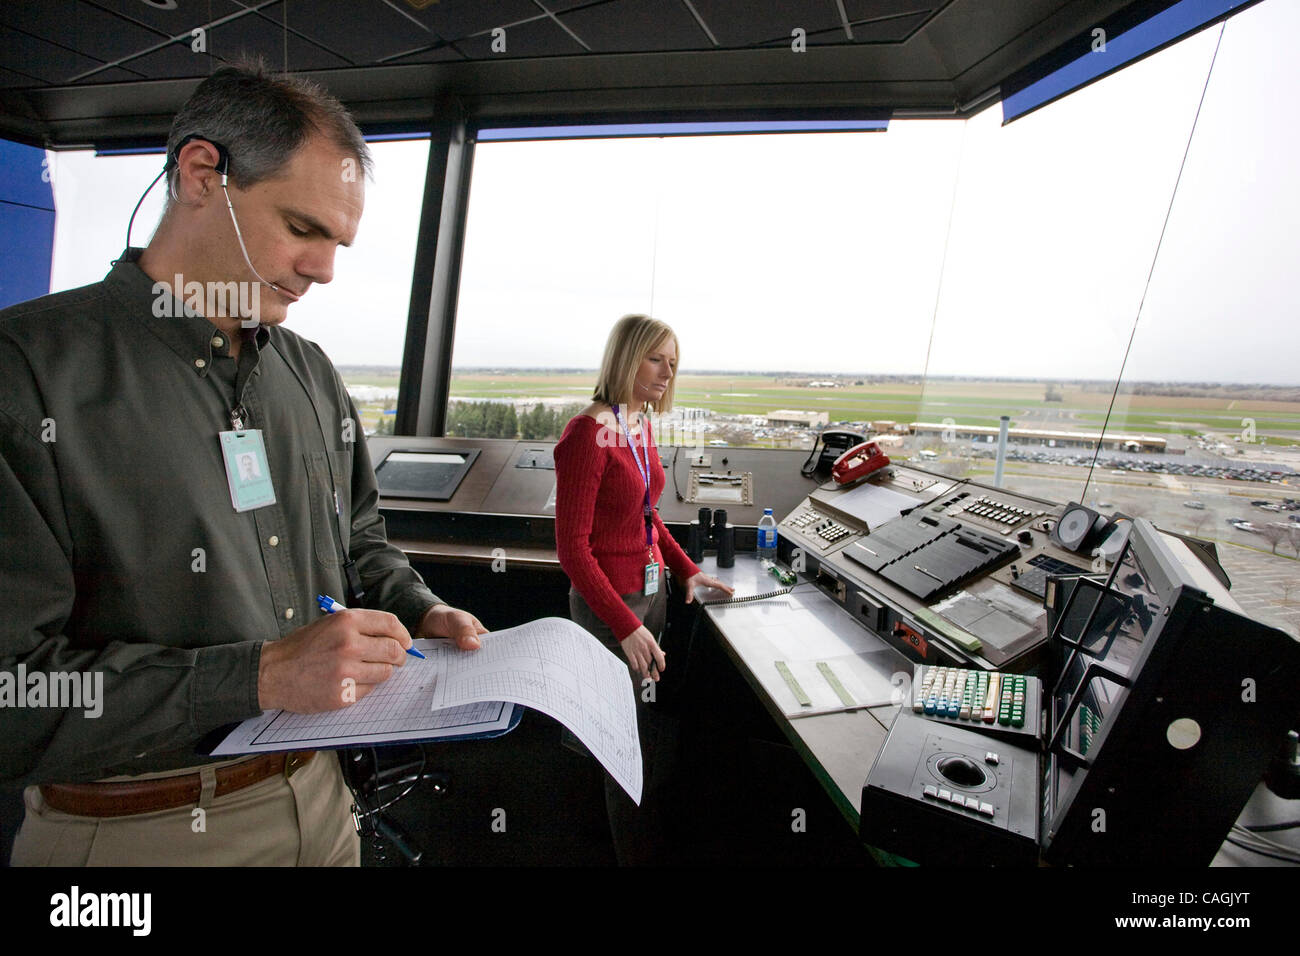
<point>644,653</point>
<point>332,662</point>
<point>703,580</point>
<point>443,620</point>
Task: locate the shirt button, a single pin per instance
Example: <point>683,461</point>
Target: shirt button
<point>288,614</point>
<point>273,540</point>
<point>217,341</point>
<point>199,363</point>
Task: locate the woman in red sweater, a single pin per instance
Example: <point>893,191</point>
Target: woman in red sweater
<point>613,546</point>
<point>611,541</point>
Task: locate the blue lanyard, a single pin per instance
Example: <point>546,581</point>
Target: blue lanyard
<point>644,469</point>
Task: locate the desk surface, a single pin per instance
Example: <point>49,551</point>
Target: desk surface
<point>839,747</point>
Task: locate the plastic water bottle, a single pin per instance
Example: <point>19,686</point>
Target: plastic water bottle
<point>767,536</point>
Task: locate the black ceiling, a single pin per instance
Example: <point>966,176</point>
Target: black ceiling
<point>75,72</point>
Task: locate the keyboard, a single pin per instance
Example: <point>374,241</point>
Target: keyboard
<point>991,699</point>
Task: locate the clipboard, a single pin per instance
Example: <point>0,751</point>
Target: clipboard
<point>397,711</point>
<point>211,744</point>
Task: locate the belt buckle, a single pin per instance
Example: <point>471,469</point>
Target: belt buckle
<point>293,762</point>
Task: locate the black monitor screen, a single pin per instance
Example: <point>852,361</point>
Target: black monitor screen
<point>424,474</point>
<point>1091,616</point>
<point>1122,615</point>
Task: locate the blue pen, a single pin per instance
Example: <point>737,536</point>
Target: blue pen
<point>329,606</point>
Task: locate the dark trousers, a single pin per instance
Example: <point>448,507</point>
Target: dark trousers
<point>638,832</point>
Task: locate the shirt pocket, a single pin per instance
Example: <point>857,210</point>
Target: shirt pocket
<point>327,476</point>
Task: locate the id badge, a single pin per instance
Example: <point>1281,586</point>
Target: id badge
<point>247,471</point>
<point>652,578</point>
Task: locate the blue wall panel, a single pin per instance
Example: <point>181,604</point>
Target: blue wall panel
<point>1029,90</point>
<point>26,223</point>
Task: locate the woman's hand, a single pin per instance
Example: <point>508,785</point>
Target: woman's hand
<point>644,653</point>
<point>702,580</point>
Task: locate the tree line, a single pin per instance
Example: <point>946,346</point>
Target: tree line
<point>499,420</point>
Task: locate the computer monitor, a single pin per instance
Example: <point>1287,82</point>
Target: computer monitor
<point>1169,706</point>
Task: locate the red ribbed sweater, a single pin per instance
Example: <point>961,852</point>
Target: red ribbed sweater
<point>599,530</point>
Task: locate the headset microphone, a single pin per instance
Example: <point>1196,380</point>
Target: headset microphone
<point>223,167</point>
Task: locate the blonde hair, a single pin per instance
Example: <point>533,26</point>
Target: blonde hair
<point>630,341</point>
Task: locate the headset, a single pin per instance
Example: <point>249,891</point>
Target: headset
<point>222,167</point>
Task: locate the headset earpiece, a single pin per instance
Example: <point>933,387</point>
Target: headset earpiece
<point>223,155</point>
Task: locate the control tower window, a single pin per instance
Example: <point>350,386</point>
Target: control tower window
<point>1108,272</point>
<point>779,260</point>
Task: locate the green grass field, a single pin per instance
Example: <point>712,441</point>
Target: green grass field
<point>967,403</point>
<point>1277,423</point>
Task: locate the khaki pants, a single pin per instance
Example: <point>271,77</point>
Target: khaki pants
<point>303,820</point>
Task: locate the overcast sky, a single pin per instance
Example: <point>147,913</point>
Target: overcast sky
<point>826,252</point>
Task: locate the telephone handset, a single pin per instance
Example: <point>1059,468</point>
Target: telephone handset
<point>834,443</point>
<point>858,463</point>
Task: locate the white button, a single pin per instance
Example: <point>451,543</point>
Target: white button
<point>986,809</point>
<point>288,614</point>
<point>273,540</point>
<point>199,363</point>
<point>217,341</point>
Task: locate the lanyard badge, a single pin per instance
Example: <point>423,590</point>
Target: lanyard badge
<point>247,471</point>
<point>647,512</point>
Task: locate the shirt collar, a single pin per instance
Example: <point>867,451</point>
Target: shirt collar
<point>185,331</point>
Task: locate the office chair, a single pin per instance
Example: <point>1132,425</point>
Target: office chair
<point>373,772</point>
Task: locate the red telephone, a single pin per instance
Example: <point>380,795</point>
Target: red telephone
<point>858,462</point>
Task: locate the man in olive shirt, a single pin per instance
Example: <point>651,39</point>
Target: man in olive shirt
<point>122,555</point>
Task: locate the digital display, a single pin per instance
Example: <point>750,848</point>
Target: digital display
<point>424,474</point>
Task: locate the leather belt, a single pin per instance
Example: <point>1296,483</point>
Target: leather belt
<point>126,798</point>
